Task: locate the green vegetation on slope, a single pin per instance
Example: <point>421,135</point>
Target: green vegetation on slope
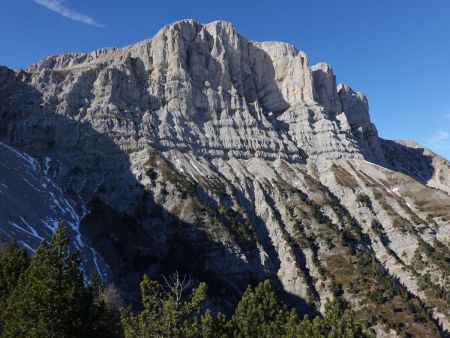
<point>47,297</point>
<point>259,314</point>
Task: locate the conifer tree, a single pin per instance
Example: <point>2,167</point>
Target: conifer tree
<point>292,325</point>
<point>12,264</point>
<point>214,326</point>
<point>50,299</point>
<point>167,311</point>
<point>104,318</point>
<point>260,313</point>
<point>339,321</point>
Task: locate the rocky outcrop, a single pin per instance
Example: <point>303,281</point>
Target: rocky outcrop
<point>356,108</point>
<point>325,88</point>
<point>231,160</point>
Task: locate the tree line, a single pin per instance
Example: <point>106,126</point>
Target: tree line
<point>47,296</point>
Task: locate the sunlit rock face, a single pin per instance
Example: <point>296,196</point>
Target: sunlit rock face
<point>231,160</point>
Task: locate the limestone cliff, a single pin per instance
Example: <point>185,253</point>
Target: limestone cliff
<point>233,161</point>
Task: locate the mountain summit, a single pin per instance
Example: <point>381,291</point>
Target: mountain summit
<point>232,161</point>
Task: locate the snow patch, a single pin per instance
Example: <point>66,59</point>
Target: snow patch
<point>26,245</point>
<point>33,231</point>
<point>27,158</point>
<point>21,229</point>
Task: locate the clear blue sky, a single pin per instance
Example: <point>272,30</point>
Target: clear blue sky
<point>395,51</point>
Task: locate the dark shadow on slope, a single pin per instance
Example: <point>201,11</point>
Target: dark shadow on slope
<point>300,258</point>
<point>407,160</point>
<point>182,247</point>
<point>397,156</point>
<point>92,168</point>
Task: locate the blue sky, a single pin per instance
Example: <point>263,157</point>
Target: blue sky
<point>395,51</point>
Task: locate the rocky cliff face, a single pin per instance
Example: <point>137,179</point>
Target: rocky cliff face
<point>234,161</point>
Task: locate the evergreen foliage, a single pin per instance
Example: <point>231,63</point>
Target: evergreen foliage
<point>104,319</point>
<point>12,264</point>
<point>259,314</point>
<point>167,311</point>
<point>49,298</point>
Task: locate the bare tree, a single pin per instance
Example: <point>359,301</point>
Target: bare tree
<point>175,286</point>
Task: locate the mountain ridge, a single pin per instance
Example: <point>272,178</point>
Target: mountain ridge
<point>233,161</point>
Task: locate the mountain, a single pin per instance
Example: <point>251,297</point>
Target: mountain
<point>232,161</point>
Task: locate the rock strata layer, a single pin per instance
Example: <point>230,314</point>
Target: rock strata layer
<point>231,160</point>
